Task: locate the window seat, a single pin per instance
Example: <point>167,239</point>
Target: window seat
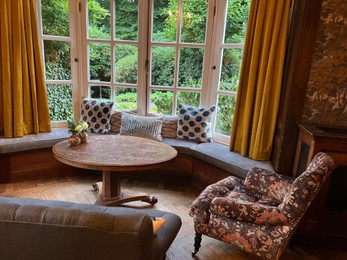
<point>202,163</point>
<point>32,141</point>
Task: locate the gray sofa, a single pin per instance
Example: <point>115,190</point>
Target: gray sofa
<point>41,229</point>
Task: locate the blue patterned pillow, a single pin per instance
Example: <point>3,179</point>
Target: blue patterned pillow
<point>97,115</point>
<point>195,123</point>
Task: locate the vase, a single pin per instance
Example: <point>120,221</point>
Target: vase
<point>74,140</point>
<point>84,137</point>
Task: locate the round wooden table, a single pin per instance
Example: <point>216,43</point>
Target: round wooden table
<point>113,154</point>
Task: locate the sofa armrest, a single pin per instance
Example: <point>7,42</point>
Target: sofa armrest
<point>268,183</point>
<point>248,212</point>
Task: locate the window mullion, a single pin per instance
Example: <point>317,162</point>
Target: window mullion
<point>82,50</point>
<point>208,59</point>
<point>217,51</point>
<point>77,93</point>
<point>142,46</point>
<point>113,47</point>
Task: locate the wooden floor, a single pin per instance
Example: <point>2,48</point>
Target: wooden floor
<point>172,197</point>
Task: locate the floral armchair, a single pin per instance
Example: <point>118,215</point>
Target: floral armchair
<point>259,214</point>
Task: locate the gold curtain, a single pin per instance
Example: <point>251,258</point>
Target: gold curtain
<point>261,78</point>
<point>23,97</point>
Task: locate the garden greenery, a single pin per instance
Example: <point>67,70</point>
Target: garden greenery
<point>57,55</point>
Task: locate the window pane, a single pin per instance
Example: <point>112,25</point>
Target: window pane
<point>55,17</point>
<point>126,99</point>
<point>100,92</point>
<point>190,67</point>
<point>163,66</point>
<point>60,102</point>
<point>225,114</point>
<point>165,21</point>
<point>126,63</point>
<point>57,60</point>
<point>126,19</point>
<point>161,102</point>
<point>237,18</point>
<point>230,73</point>
<point>194,21</point>
<point>100,61</point>
<point>188,98</point>
<point>99,19</point>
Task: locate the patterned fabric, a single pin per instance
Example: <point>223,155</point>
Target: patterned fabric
<point>169,129</point>
<point>248,211</point>
<point>141,126</point>
<point>270,184</point>
<point>250,220</point>
<point>195,123</point>
<point>97,115</point>
<point>116,118</point>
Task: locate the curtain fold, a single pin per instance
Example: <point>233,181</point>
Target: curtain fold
<point>24,105</point>
<point>260,79</point>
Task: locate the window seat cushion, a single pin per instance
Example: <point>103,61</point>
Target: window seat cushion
<point>215,154</point>
<point>33,141</point>
<point>218,154</point>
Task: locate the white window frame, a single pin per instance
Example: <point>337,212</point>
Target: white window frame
<point>213,50</point>
<point>73,39</point>
<point>142,55</point>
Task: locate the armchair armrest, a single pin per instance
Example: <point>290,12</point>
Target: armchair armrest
<point>268,183</point>
<point>248,212</point>
<point>200,208</point>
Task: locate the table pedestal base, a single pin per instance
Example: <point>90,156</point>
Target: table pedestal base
<point>122,197</point>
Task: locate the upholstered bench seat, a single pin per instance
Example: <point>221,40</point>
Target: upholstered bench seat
<point>32,141</point>
<point>220,156</point>
<point>214,154</point>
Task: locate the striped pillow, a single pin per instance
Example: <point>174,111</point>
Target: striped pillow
<point>141,126</point>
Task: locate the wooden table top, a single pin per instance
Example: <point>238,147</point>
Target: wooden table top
<point>115,153</point>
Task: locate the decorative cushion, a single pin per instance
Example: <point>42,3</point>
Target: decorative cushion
<point>169,129</point>
<point>141,126</point>
<point>195,123</point>
<point>157,224</point>
<point>97,115</point>
<point>116,118</point>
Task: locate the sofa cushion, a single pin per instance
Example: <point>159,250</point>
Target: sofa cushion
<point>97,115</point>
<point>141,126</point>
<point>195,123</point>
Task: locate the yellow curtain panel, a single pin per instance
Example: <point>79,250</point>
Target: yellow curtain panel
<point>260,80</point>
<point>23,97</point>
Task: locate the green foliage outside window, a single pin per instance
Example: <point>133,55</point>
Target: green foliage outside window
<point>57,55</point>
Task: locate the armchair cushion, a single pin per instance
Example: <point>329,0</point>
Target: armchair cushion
<point>271,185</point>
<point>247,211</point>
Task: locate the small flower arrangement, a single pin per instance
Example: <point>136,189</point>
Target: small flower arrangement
<point>77,128</point>
<point>79,132</point>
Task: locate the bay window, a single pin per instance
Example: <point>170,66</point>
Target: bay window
<point>148,55</point>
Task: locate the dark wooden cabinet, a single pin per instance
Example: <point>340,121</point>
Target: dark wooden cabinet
<point>325,224</point>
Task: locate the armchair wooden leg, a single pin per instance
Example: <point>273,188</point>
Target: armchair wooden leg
<point>197,243</point>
